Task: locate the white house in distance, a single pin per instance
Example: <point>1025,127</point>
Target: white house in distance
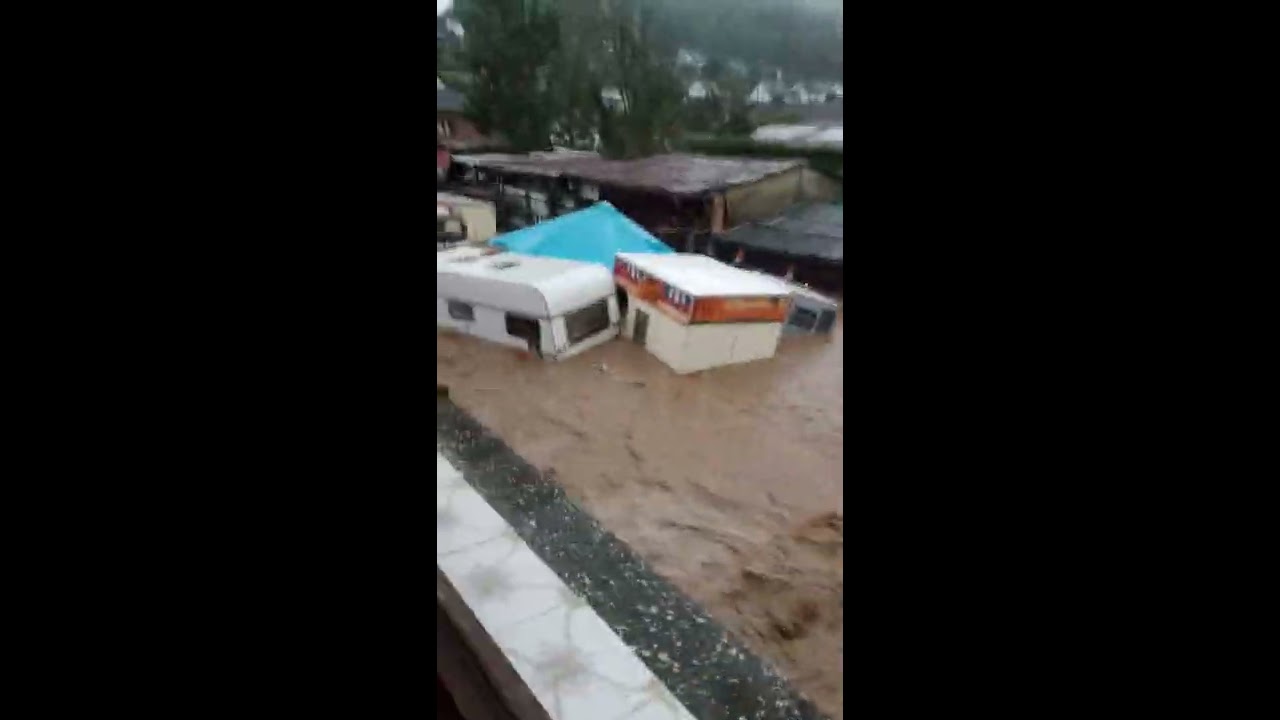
<point>695,313</point>
<point>761,94</point>
<point>698,91</point>
<point>551,307</point>
<point>611,97</point>
<point>799,95</point>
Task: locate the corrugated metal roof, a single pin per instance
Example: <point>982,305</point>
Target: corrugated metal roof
<point>805,231</point>
<point>677,174</point>
<point>813,218</point>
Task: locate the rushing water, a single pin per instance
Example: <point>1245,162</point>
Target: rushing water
<point>728,482</point>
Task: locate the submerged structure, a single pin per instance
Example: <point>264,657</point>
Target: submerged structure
<point>463,219</point>
<point>805,241</point>
<point>553,308</point>
<point>676,197</point>
<point>694,313</point>
<point>811,312</point>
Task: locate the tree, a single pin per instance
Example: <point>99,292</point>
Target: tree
<point>509,49</point>
<point>579,75</point>
<point>538,70</point>
<point>642,70</point>
<point>728,99</point>
<point>804,39</point>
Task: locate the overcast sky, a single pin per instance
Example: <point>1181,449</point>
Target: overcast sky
<point>442,5</point>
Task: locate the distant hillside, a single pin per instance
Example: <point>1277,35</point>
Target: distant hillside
<point>805,38</point>
<point>802,38</point>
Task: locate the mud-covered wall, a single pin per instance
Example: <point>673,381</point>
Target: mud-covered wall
<point>764,198</point>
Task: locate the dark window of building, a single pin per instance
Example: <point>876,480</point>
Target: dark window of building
<point>803,318</point>
<point>826,320</point>
<point>588,321</point>
<point>461,311</point>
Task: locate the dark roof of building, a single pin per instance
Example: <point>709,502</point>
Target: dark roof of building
<point>677,174</point>
<point>448,99</point>
<point>805,231</point>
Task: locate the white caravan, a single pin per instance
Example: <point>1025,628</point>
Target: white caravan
<point>553,308</point>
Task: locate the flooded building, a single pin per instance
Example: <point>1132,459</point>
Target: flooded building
<point>811,312</point>
<point>679,198</point>
<point>805,242</point>
<point>695,313</point>
<point>464,219</point>
<point>451,229</point>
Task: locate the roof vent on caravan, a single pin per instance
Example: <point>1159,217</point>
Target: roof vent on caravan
<point>504,264</point>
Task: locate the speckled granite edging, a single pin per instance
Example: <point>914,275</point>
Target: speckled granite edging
<point>705,667</point>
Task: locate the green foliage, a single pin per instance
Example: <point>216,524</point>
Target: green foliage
<point>774,116</point>
<point>447,45</point>
<point>738,122</point>
<point>534,70</point>
<point>538,68</point>
<point>651,94</point>
<point>508,51</point>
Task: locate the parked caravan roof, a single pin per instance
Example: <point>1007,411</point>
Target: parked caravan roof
<point>701,276</point>
<point>802,291</point>
<point>811,296</point>
<point>596,234</point>
<point>537,287</point>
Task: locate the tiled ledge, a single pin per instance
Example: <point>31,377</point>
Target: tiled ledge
<point>586,587</point>
<point>574,664</point>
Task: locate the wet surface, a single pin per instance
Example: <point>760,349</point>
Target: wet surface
<point>706,668</point>
<point>728,483</point>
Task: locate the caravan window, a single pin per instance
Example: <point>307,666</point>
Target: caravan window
<point>526,329</point>
<point>588,321</point>
<point>461,311</point>
<point>522,327</point>
<point>803,318</point>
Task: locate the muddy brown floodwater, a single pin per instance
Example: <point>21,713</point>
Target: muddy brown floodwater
<point>728,482</point>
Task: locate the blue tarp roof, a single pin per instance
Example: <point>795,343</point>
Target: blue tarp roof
<point>592,235</point>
